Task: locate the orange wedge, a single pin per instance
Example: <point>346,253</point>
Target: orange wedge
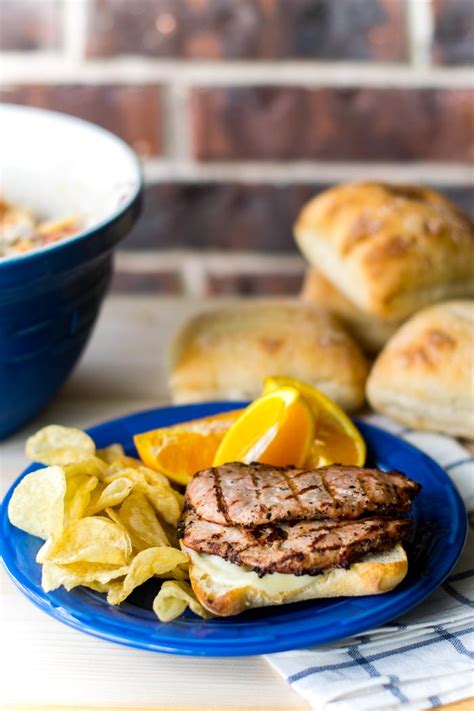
<point>277,429</point>
<point>181,450</point>
<point>337,439</point>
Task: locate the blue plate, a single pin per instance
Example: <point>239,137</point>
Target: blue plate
<point>438,537</point>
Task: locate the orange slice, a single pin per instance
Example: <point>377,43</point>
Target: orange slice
<point>277,429</point>
<point>180,451</point>
<point>337,439</point>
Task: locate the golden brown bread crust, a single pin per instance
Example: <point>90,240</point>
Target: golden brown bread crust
<point>391,249</point>
<point>227,352</point>
<point>425,375</point>
<point>370,331</point>
<point>373,576</point>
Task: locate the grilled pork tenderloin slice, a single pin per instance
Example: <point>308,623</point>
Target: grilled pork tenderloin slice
<point>296,547</point>
<point>255,494</point>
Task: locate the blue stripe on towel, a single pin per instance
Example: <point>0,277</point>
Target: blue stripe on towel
<point>373,657</point>
<point>453,638</point>
<point>458,463</point>
<point>457,595</point>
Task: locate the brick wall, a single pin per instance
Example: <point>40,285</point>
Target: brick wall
<point>243,109</point>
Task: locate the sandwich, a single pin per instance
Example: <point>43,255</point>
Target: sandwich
<point>259,535</point>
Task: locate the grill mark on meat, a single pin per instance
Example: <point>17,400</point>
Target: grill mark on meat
<point>306,489</point>
<point>390,490</point>
<point>289,483</point>
<point>220,500</point>
<point>362,486</point>
<point>327,489</point>
<point>258,491</point>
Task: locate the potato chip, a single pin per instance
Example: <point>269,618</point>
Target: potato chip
<point>161,496</point>
<point>59,445</point>
<point>36,505</point>
<point>145,565</point>
<point>78,495</point>
<point>166,502</point>
<point>111,453</point>
<point>112,495</point>
<point>113,515</point>
<point>93,575</point>
<point>172,600</point>
<point>122,462</point>
<point>93,539</point>
<point>142,523</point>
<point>92,467</point>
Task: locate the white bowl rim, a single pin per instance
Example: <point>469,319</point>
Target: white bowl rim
<point>93,228</point>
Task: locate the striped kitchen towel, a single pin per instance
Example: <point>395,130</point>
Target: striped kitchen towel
<point>422,660</point>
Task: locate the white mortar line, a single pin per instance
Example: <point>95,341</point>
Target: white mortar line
<point>308,172</point>
<point>177,121</point>
<point>74,33</point>
<point>193,274</point>
<point>420,31</point>
<point>26,68</point>
<point>198,263</point>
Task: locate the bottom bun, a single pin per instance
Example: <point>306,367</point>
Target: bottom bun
<point>372,332</point>
<point>226,589</point>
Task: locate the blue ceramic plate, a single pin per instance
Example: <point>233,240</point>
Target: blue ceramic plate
<point>439,533</point>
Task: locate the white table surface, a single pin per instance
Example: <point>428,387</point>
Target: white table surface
<point>46,663</point>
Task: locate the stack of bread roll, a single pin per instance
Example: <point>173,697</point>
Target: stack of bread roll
<point>382,255</point>
<point>391,268</point>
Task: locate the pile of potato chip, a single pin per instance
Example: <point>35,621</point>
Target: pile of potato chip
<point>108,522</point>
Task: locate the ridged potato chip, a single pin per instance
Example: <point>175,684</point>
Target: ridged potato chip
<point>145,565</point>
<point>55,444</point>
<point>93,539</point>
<point>37,504</point>
<point>141,521</point>
<point>111,495</point>
<point>172,600</point>
<point>92,575</point>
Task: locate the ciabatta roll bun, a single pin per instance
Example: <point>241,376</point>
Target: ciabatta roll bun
<point>226,589</point>
<point>390,249</point>
<point>225,353</point>
<point>424,377</point>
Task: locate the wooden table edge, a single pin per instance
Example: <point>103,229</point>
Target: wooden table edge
<point>464,705</point>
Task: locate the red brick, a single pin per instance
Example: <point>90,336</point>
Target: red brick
<point>162,282</point>
<point>365,124</point>
<point>232,216</point>
<point>30,24</point>
<point>229,216</point>
<point>260,284</point>
<point>453,37</point>
<point>248,29</point>
<point>132,112</point>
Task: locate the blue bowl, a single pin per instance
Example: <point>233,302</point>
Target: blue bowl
<point>50,298</point>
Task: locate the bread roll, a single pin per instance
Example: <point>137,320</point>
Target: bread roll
<point>226,589</point>
<point>391,249</point>
<point>226,353</point>
<point>371,332</point>
<point>424,377</point>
